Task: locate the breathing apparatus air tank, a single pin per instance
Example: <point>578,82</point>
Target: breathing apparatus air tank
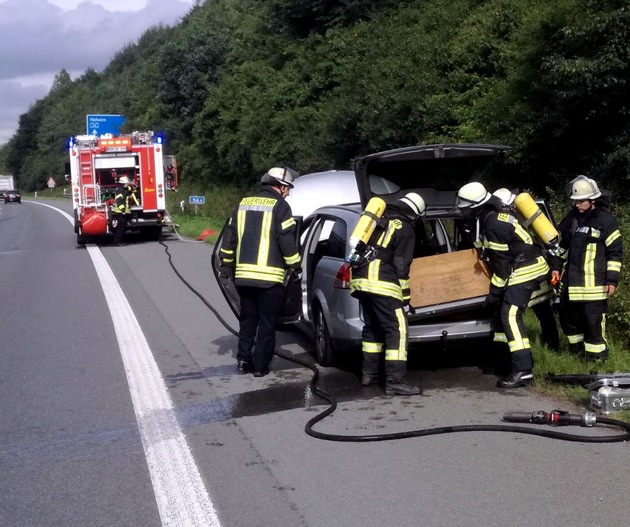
<point>365,228</point>
<point>536,219</point>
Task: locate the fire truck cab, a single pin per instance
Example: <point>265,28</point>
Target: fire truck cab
<point>96,164</point>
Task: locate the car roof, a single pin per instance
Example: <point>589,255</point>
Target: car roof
<point>319,189</point>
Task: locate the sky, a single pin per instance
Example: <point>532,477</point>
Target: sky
<point>39,38</point>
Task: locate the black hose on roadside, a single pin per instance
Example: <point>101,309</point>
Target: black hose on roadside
<point>554,418</point>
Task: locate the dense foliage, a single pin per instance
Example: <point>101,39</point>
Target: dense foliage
<point>241,85</point>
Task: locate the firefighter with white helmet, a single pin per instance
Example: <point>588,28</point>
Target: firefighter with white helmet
<point>381,283</point>
<point>541,299</point>
<point>594,252</point>
<point>259,245</point>
<point>124,198</point>
<point>517,267</point>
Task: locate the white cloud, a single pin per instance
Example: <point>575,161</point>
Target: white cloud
<point>39,38</point>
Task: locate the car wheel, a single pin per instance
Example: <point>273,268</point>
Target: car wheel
<point>81,240</point>
<point>323,345</point>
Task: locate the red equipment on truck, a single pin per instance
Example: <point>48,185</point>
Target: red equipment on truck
<point>96,163</point>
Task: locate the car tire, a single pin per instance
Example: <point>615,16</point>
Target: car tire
<point>324,351</point>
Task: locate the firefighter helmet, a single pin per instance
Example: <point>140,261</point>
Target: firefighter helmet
<point>413,201</point>
<point>583,188</point>
<point>472,195</point>
<point>505,195</point>
<point>279,176</point>
<point>123,180</point>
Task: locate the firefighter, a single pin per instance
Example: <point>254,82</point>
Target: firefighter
<point>259,245</point>
<point>381,284</point>
<point>594,251</point>
<point>541,301</point>
<point>518,268</point>
<point>124,198</point>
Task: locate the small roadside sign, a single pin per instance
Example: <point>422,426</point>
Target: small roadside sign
<point>196,201</point>
<point>51,183</point>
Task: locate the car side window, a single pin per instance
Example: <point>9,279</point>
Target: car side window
<point>332,239</point>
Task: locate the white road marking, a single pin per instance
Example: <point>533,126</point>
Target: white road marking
<point>181,496</point>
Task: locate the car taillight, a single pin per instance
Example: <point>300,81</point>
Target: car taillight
<point>342,280</point>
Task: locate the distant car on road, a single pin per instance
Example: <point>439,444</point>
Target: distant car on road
<point>12,196</point>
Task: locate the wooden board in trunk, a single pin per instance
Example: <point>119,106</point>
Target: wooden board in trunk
<point>447,277</point>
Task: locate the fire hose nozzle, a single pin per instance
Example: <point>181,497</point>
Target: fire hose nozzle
<point>554,418</point>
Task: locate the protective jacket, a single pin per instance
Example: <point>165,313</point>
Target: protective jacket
<point>512,256</point>
<point>259,243</point>
<point>387,274</point>
<point>595,252</point>
<point>124,198</point>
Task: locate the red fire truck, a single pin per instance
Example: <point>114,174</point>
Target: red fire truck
<point>96,163</point>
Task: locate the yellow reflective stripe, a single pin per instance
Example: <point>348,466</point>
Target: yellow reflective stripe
<point>377,287</point>
<point>252,271</point>
<point>522,233</point>
<point>613,266</point>
<point>587,294</point>
<point>402,331</point>
<point>227,251</point>
<point>575,339</point>
<point>240,229</point>
<point>499,337</point>
<point>372,347</point>
<point>529,272</point>
<point>404,283</point>
<point>257,203</point>
<point>294,258</point>
<point>498,281</point>
<point>502,247</point>
<point>612,238</point>
<point>594,348</point>
<point>518,343</point>
<point>288,223</point>
<point>374,270</point>
<point>589,265</point>
<point>265,232</point>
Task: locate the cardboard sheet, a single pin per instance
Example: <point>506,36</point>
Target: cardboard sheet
<point>448,277</point>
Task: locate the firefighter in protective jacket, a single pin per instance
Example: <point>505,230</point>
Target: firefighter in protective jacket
<point>381,284</point>
<point>591,237</point>
<point>259,245</point>
<point>124,198</point>
<point>541,301</point>
<point>518,268</point>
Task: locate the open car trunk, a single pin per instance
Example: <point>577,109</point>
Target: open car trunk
<point>456,280</point>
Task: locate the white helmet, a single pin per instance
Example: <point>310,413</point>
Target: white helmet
<point>505,195</point>
<point>583,187</point>
<point>123,180</point>
<point>415,202</point>
<point>279,175</point>
<point>472,195</point>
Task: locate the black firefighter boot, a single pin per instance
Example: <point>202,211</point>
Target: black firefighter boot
<point>369,371</point>
<point>395,384</point>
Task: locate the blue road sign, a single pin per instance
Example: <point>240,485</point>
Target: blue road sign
<point>103,124</point>
<point>196,200</point>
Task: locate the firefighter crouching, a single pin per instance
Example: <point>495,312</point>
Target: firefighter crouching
<point>381,284</point>
<point>518,268</point>
<point>541,301</point>
<point>259,245</point>
<point>594,252</point>
<point>124,198</point>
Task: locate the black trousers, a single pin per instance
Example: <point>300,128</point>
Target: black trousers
<point>119,222</point>
<point>260,309</point>
<point>584,324</point>
<point>385,329</point>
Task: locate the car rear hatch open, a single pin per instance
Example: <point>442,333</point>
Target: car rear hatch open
<point>453,284</point>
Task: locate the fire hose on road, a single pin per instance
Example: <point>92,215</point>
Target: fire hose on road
<point>555,418</point>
